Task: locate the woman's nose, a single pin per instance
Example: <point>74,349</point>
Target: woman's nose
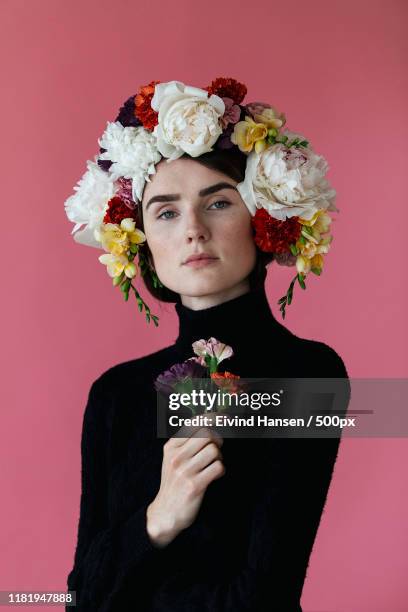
<point>196,229</point>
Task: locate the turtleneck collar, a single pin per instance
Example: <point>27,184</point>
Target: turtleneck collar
<point>239,322</point>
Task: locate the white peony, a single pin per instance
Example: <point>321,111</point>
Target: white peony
<point>287,182</point>
<point>188,120</point>
<point>133,153</point>
<point>90,202</point>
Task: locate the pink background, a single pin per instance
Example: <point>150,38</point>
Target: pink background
<point>338,70</point>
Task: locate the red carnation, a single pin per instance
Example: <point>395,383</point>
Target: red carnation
<point>227,88</point>
<point>226,380</point>
<point>118,211</point>
<point>143,110</point>
<point>272,235</point>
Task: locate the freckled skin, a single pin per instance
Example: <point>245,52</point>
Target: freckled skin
<point>197,224</point>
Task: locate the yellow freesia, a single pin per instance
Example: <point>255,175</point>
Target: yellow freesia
<point>135,236</point>
<point>130,270</point>
<point>308,250</point>
<point>247,133</point>
<point>116,239</point>
<point>316,244</point>
<point>310,253</point>
<point>311,221</point>
<point>303,265</point>
<point>260,145</point>
<point>113,238</point>
<point>116,264</point>
<point>271,118</point>
<point>317,262</point>
<point>320,224</point>
<point>312,248</point>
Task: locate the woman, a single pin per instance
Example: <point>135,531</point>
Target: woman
<point>198,523</point>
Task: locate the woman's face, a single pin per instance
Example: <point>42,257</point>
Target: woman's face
<point>190,209</point>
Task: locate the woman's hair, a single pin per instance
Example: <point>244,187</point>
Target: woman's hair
<point>231,162</point>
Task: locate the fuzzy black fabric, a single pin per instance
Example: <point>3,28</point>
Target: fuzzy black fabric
<point>249,546</point>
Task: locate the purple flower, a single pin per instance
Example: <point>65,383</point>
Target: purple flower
<point>285,259</point>
<point>256,108</point>
<point>231,114</point>
<point>104,164</point>
<point>126,114</point>
<point>178,374</point>
<point>224,141</point>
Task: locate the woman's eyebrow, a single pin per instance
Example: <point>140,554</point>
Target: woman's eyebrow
<point>171,197</point>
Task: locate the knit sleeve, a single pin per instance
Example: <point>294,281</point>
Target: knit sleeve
<point>105,552</point>
<point>287,511</point>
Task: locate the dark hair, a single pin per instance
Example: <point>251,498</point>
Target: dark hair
<point>231,162</point>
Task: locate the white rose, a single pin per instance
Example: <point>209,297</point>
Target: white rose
<point>134,153</point>
<point>188,120</point>
<point>90,202</point>
<point>287,182</point>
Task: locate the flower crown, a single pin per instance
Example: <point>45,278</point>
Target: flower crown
<point>285,188</point>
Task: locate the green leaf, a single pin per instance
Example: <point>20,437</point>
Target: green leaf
<point>117,280</point>
<point>294,249</point>
<point>316,271</point>
<point>301,281</point>
<point>125,286</point>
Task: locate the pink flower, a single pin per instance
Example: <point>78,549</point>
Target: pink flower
<point>231,114</point>
<point>266,114</point>
<point>256,108</point>
<point>125,192</point>
<point>213,348</point>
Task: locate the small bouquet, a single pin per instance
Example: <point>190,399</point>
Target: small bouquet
<point>184,377</point>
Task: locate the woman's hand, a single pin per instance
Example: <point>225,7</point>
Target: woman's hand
<point>189,465</point>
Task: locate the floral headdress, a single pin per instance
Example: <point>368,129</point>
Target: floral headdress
<point>285,188</point>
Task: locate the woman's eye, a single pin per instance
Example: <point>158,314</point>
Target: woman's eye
<point>165,213</point>
<point>171,212</point>
<point>221,202</point>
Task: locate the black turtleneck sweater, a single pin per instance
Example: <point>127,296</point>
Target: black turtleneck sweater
<point>249,546</point>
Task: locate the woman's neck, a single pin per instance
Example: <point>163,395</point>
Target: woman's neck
<point>241,322</point>
<point>201,302</point>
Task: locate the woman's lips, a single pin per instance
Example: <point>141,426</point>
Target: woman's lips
<point>199,263</point>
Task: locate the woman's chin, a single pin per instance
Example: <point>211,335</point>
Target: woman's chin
<point>202,286</point>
